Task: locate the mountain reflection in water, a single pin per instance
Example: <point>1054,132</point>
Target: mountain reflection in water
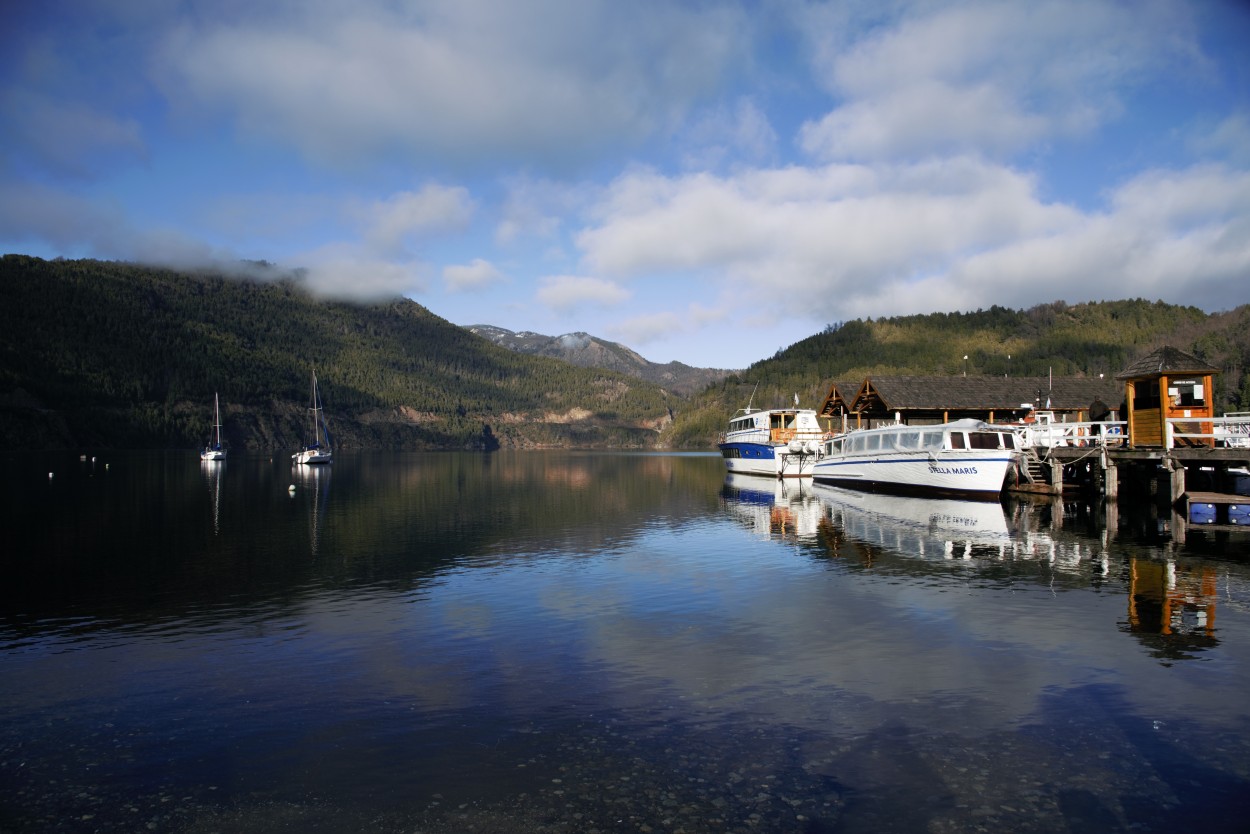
<point>567,641</point>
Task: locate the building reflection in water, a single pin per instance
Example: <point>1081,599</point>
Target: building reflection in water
<point>1172,608</point>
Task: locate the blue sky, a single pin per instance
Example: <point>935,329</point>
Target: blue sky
<point>706,182</point>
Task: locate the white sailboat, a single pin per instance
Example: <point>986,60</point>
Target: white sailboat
<point>214,450</point>
<point>319,448</point>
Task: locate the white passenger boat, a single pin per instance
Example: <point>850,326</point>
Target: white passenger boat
<point>319,448</point>
<point>966,457</point>
<point>777,442</point>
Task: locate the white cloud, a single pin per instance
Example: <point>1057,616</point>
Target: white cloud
<point>68,138</point>
<point>469,79</point>
<point>407,215</point>
<point>564,293</point>
<point>649,328</point>
<point>478,275</point>
<point>730,135</point>
<point>992,76</point>
<point>1230,139</point>
<point>664,325</point>
<point>346,272</point>
<point>845,241</point>
<point>815,228</point>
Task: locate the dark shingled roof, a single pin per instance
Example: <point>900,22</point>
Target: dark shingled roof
<point>1166,360</point>
<point>887,394</point>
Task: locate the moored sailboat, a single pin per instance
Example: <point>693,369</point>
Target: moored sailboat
<point>214,449</point>
<point>319,448</point>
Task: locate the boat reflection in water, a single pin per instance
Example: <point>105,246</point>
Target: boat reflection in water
<point>314,483</point>
<point>775,508</point>
<point>212,470</point>
<point>946,528</point>
<point>1170,603</point>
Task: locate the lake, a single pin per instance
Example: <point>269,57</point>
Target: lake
<point>610,642</point>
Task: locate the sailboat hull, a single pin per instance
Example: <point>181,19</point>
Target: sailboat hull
<point>311,456</point>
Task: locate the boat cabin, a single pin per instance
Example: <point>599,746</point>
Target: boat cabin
<point>782,424</point>
<point>1168,383</point>
<point>966,434</point>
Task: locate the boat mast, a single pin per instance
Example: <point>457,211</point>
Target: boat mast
<point>315,427</point>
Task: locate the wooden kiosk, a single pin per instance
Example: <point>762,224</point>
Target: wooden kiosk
<point>1168,383</point>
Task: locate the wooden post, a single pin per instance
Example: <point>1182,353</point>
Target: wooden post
<point>1056,475</point>
<point>1111,476</point>
<point>1178,479</point>
<point>1129,392</point>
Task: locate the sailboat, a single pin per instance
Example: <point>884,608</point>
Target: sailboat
<point>319,448</point>
<point>214,451</point>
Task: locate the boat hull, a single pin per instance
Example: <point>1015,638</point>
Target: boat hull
<point>213,454</point>
<point>973,473</point>
<point>767,460</point>
<point>311,457</point>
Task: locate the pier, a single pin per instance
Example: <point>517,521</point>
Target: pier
<point>1190,473</point>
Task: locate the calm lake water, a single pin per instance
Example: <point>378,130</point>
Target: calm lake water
<point>580,642</point>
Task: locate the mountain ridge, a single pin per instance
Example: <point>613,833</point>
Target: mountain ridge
<point>587,351</point>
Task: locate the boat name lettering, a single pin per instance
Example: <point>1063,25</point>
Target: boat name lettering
<point>952,470</point>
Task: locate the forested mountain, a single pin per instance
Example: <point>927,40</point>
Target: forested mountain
<point>593,352</point>
<point>1058,338</point>
<point>101,354</point>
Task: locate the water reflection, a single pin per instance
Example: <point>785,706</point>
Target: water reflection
<point>1171,603</point>
<point>928,528</point>
<point>569,641</point>
<point>773,507</point>
<point>1172,607</point>
<point>312,485</point>
<point>213,471</point>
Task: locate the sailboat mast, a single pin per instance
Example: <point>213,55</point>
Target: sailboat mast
<point>316,428</point>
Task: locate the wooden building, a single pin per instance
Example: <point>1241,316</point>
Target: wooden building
<point>940,399</point>
<point>1167,383</point>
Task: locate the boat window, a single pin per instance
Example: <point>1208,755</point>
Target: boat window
<point>983,439</point>
<point>856,444</point>
<point>932,440</point>
<point>909,439</point>
<point>872,442</point>
<point>957,440</point>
